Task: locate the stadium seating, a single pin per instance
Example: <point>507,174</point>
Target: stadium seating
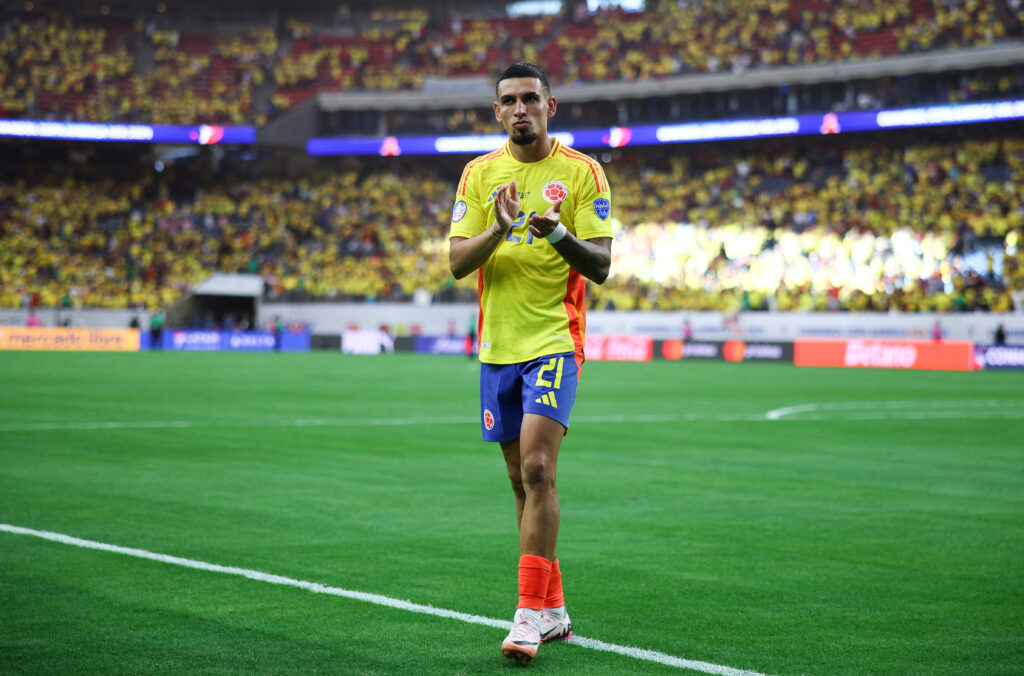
<point>54,66</point>
<point>123,69</point>
<point>805,227</point>
<point>884,227</point>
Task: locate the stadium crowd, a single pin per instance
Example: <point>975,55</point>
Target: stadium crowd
<point>148,68</point>
<point>936,226</point>
<point>932,227</point>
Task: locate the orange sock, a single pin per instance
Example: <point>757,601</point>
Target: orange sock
<point>554,597</point>
<point>534,572</point>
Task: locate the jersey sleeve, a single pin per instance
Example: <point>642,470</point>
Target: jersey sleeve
<point>594,207</point>
<point>468,216</point>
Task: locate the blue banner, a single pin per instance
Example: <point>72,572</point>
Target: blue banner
<point>301,341</point>
<point>999,356</point>
<point>203,134</point>
<point>691,132</point>
<point>218,341</point>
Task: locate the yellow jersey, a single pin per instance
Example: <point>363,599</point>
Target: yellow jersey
<point>531,301</point>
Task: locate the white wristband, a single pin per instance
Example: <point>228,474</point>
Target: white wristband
<point>557,234</point>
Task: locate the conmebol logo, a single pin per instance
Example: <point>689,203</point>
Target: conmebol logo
<point>618,136</point>
<point>390,147</point>
<point>210,134</point>
<point>1001,357</point>
<point>880,355</point>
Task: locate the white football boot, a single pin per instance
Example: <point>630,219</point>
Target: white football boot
<point>555,625</point>
<point>522,642</point>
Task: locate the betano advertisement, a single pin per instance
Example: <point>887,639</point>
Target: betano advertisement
<point>77,339</point>
<point>953,355</point>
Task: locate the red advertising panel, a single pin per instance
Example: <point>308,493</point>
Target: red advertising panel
<point>953,355</point>
<point>619,348</point>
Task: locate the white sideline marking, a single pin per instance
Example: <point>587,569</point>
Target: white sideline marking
<point>939,409</point>
<point>593,644</point>
<point>349,422</point>
<point>951,410</point>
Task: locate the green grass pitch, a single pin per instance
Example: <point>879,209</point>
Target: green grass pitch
<point>877,528</point>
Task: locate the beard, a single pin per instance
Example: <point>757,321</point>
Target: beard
<point>523,138</point>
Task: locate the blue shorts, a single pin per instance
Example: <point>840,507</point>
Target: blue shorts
<point>545,386</point>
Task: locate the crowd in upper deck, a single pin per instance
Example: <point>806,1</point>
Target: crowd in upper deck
<point>148,68</point>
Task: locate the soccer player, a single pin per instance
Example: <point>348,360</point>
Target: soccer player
<point>533,219</point>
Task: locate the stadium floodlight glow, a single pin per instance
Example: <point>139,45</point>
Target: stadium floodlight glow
<point>715,131</point>
<point>76,131</point>
<point>963,113</point>
<point>468,144</point>
<point>132,133</point>
<point>485,143</point>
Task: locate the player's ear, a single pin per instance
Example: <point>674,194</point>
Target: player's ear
<point>497,115</point>
<point>552,105</point>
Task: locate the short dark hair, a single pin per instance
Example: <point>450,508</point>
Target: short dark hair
<point>521,69</point>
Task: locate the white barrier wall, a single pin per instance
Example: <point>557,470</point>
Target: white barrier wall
<point>78,318</point>
<point>401,318</point>
<point>435,320</point>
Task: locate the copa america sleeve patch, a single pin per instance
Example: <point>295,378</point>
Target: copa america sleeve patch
<point>458,211</point>
<point>602,208</point>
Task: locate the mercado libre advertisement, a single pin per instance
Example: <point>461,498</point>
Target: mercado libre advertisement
<point>952,355</point>
<point>68,339</point>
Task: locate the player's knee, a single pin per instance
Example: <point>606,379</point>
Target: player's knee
<point>517,486</point>
<point>515,476</point>
<point>538,472</point>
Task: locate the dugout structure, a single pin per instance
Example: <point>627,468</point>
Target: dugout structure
<point>219,298</point>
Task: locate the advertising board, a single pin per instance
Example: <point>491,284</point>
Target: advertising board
<point>619,348</point>
<point>75,339</point>
<point>999,356</point>
<point>366,342</point>
<point>729,350</point>
<point>192,340</point>
<point>953,355</point>
<point>441,345</point>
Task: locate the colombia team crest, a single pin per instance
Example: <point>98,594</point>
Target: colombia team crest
<point>458,211</point>
<point>554,191</point>
<point>488,419</point>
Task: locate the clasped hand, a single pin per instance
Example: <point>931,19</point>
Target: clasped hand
<point>506,211</point>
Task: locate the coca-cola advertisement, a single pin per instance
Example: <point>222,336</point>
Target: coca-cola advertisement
<point>619,348</point>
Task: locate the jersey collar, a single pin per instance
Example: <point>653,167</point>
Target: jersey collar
<point>555,146</point>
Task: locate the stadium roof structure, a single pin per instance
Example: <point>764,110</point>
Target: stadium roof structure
<point>479,90</point>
